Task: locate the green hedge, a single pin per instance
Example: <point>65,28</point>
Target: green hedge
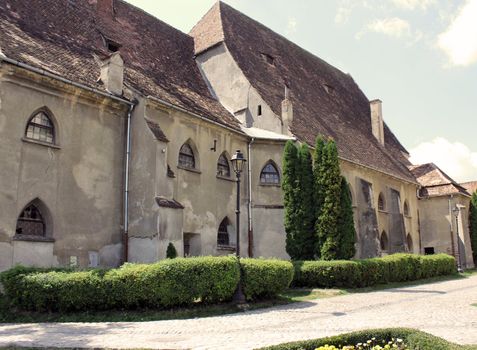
<point>168,283</point>
<point>171,282</point>
<point>415,340</point>
<point>265,278</point>
<point>369,272</point>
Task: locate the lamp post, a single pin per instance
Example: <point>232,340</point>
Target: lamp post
<point>456,212</point>
<point>238,162</point>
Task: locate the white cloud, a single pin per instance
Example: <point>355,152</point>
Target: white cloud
<point>454,158</point>
<point>413,4</point>
<point>393,27</point>
<point>459,41</point>
<point>291,25</point>
<point>343,13</point>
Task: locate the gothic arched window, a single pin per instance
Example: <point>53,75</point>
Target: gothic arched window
<point>186,157</point>
<point>223,167</point>
<point>384,242</point>
<point>223,233</point>
<point>40,128</point>
<point>381,202</point>
<point>31,222</point>
<point>270,174</point>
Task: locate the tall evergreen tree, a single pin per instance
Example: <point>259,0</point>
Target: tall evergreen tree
<point>346,230</point>
<point>330,182</point>
<point>291,199</point>
<point>318,189</point>
<point>306,212</point>
<point>473,225</point>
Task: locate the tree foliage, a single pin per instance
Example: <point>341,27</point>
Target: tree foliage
<point>171,252</point>
<point>473,224</point>
<point>318,188</point>
<point>330,183</point>
<point>346,228</point>
<point>291,200</point>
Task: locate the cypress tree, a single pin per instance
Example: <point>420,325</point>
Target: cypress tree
<point>291,200</point>
<point>330,182</point>
<point>346,230</point>
<point>306,211</point>
<point>473,225</point>
<point>318,189</point>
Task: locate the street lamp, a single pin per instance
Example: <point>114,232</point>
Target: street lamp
<point>238,162</point>
<point>456,212</point>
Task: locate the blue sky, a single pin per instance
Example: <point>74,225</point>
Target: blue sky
<point>418,56</point>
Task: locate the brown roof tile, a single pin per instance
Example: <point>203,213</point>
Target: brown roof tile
<point>470,186</point>
<point>62,37</point>
<point>435,182</point>
<point>325,100</point>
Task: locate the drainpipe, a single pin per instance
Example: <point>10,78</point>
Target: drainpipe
<point>451,226</point>
<point>250,226</point>
<point>126,181</point>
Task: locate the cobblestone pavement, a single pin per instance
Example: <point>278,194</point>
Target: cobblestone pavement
<point>442,308</point>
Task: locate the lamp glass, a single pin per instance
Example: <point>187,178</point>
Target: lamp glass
<point>238,161</point>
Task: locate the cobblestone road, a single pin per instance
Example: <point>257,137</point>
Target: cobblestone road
<point>443,309</point>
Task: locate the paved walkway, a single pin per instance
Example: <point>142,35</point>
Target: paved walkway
<point>443,309</point>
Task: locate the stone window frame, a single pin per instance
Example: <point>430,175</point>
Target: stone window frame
<point>41,210</point>
<point>47,124</point>
<point>223,236</point>
<point>188,157</point>
<point>382,203</point>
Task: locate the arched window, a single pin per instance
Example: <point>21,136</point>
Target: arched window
<point>186,157</point>
<point>381,202</point>
<point>269,174</point>
<point>223,234</point>
<point>31,222</point>
<point>410,246</point>
<point>406,208</point>
<point>384,242</point>
<point>223,167</point>
<point>41,128</point>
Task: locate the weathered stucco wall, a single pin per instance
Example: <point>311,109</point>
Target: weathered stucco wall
<point>438,226</point>
<point>227,81</point>
<point>78,182</point>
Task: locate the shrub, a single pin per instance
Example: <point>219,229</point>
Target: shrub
<point>369,272</point>
<point>171,252</point>
<point>265,278</point>
<point>168,283</point>
<point>413,339</point>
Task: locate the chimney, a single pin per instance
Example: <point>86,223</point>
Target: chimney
<point>112,74</point>
<point>377,124</point>
<point>105,8</point>
<point>287,112</point>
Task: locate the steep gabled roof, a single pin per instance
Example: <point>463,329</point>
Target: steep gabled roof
<point>62,37</point>
<point>435,182</point>
<point>325,100</point>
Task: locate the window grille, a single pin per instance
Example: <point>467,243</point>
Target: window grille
<point>223,168</point>
<point>186,157</point>
<point>30,222</point>
<point>269,174</point>
<point>40,128</point>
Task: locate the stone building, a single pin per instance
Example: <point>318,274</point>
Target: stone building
<point>117,130</point>
<point>444,208</point>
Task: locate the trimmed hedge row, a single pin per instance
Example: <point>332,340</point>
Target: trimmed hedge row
<point>369,272</point>
<point>168,283</point>
<point>414,340</point>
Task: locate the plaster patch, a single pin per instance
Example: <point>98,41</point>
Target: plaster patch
<point>110,255</point>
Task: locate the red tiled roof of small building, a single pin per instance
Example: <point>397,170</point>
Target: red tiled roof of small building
<point>62,37</point>
<point>435,182</point>
<point>325,100</point>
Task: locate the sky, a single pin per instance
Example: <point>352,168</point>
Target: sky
<point>418,56</point>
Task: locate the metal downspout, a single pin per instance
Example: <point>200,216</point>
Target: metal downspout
<point>126,181</point>
<point>250,225</point>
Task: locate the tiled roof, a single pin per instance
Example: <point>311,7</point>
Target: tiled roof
<point>325,100</point>
<point>62,37</point>
<point>470,186</point>
<point>435,182</point>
